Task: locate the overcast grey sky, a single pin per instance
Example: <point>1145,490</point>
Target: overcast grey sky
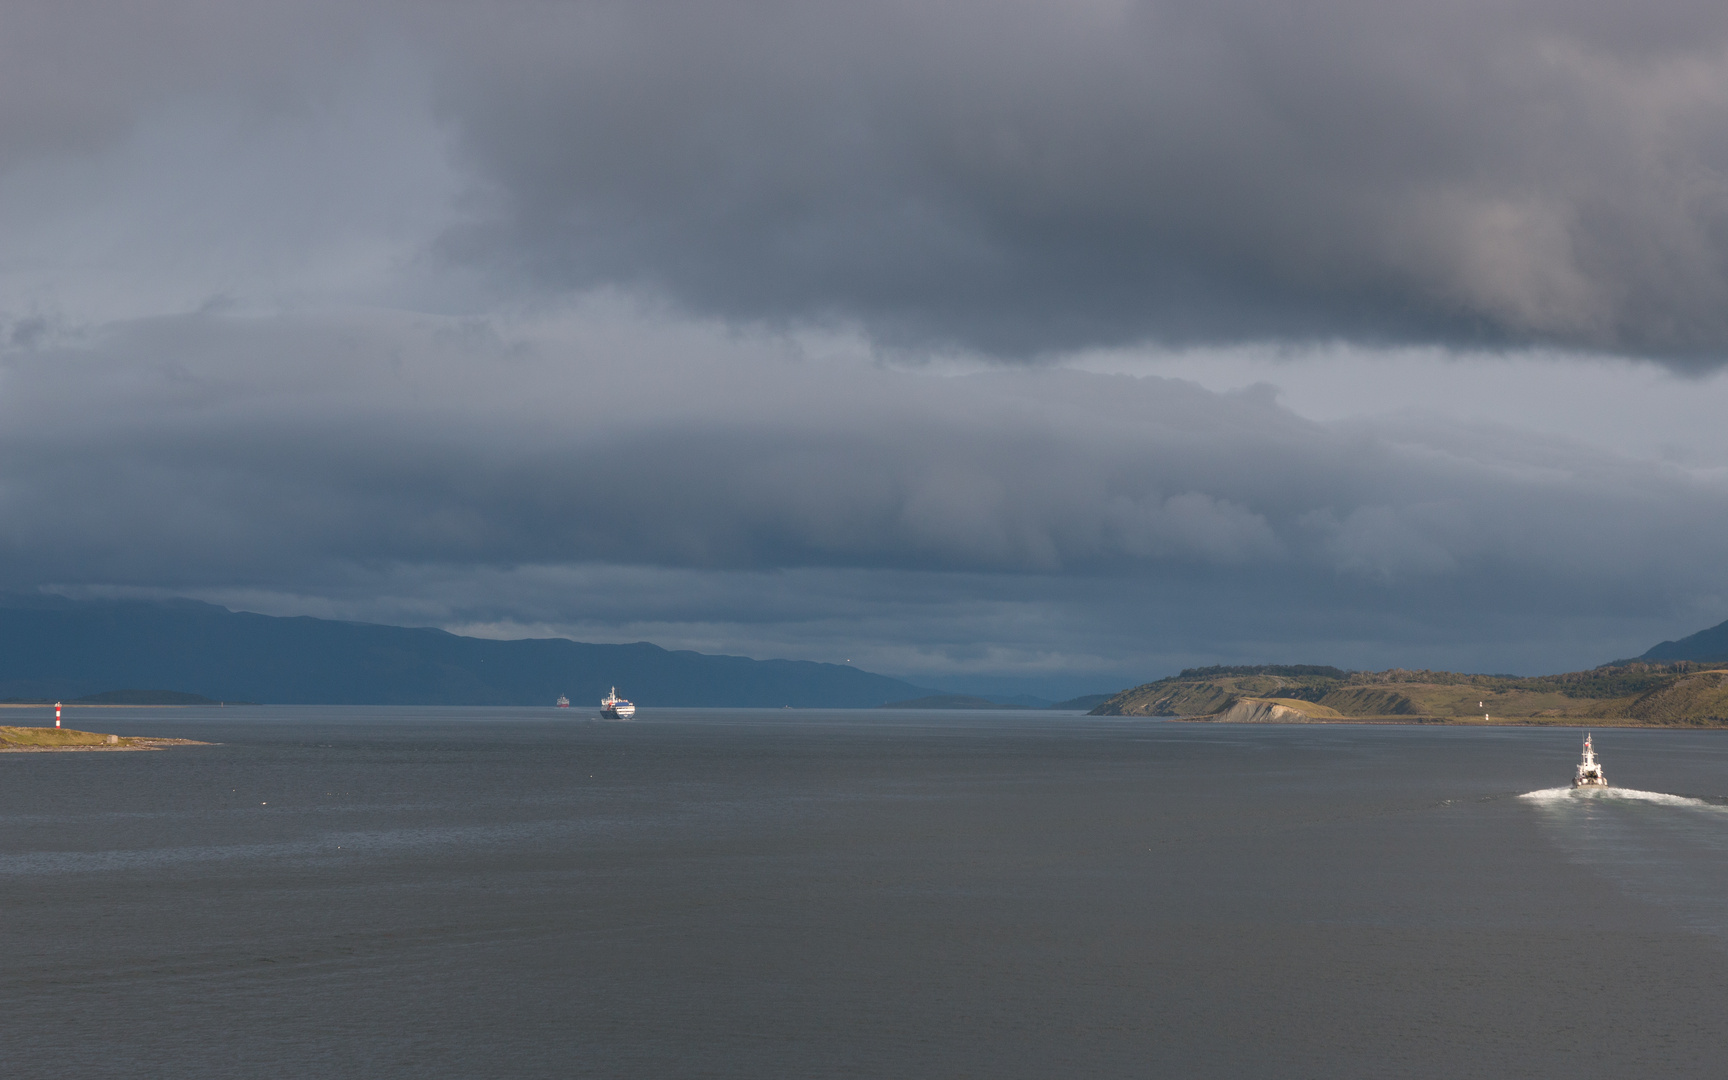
<point>1055,345</point>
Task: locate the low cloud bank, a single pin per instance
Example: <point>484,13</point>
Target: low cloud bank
<point>661,484</point>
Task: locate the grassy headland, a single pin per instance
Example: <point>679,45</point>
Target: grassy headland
<point>31,739</point>
<point>1627,694</point>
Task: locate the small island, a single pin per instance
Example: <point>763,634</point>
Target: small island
<point>35,740</point>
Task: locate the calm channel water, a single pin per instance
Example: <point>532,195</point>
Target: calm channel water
<point>527,893</point>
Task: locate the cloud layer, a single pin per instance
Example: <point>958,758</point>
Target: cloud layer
<point>1015,177</point>
<point>758,327</point>
<point>1031,176</point>
<point>563,476</point>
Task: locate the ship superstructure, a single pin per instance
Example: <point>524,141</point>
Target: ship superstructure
<point>613,707</point>
<point>1589,770</point>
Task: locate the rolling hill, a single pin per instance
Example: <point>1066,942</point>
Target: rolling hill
<point>1630,692</point>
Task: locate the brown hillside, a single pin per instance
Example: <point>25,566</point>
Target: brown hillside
<point>1369,701</point>
<point>1628,693</point>
<point>1184,699</point>
<point>1700,699</point>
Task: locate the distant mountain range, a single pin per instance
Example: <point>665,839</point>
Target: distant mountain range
<point>53,648</point>
<point>180,651</point>
<point>1021,701</point>
<point>1705,646</point>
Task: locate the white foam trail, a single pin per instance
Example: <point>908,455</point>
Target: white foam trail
<point>1548,794</point>
<point>1558,794</point>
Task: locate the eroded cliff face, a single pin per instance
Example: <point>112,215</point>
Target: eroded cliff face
<point>1203,696</point>
<point>1261,711</point>
<point>1184,699</point>
<point>1231,708</point>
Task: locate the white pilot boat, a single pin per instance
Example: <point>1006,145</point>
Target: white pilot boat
<point>1589,770</point>
<point>613,707</point>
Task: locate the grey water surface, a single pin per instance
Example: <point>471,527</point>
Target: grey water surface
<point>360,892</point>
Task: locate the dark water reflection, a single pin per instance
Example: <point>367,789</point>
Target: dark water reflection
<point>372,892</point>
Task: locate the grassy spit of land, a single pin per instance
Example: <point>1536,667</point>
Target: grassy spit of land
<point>1633,694</point>
<point>16,740</point>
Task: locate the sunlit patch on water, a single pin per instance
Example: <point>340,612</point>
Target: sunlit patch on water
<point>1667,850</point>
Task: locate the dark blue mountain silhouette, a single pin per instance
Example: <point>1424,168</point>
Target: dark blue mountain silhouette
<point>1707,645</point>
<point>52,647</point>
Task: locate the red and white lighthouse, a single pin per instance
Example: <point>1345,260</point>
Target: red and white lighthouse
<point>56,714</point>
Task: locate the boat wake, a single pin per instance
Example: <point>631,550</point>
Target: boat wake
<point>1669,851</point>
<point>1569,794</point>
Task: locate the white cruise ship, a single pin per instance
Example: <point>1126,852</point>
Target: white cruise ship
<point>613,707</point>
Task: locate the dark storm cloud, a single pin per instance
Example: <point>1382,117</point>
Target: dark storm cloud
<point>1030,176</point>
<point>1020,177</point>
<point>738,191</point>
<point>301,456</point>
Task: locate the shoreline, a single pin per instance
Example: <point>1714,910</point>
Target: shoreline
<point>51,740</point>
<point>1458,721</point>
<point>134,743</point>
